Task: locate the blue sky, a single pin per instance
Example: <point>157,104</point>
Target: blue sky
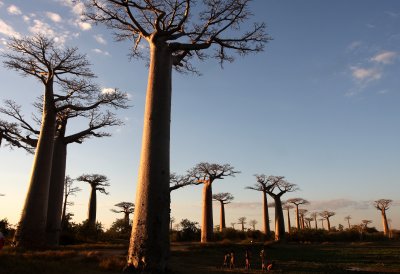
<point>320,106</point>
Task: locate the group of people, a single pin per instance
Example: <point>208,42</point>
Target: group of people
<point>230,260</point>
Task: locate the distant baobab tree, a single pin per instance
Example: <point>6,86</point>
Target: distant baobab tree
<point>69,190</point>
<point>41,58</point>
<point>206,173</point>
<point>302,213</point>
<point>348,218</point>
<point>297,202</point>
<point>127,208</point>
<point>326,215</point>
<point>242,221</point>
<point>262,186</point>
<point>322,222</point>
<point>175,32</point>
<point>286,206</point>
<point>98,183</point>
<point>383,205</point>
<point>308,221</point>
<point>171,222</point>
<point>233,225</point>
<point>365,223</point>
<point>253,223</point>
<point>223,198</point>
<point>277,186</point>
<point>314,215</point>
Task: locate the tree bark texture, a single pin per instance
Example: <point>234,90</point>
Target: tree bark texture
<point>297,218</point>
<point>279,220</point>
<point>149,243</point>
<point>56,192</point>
<point>288,220</point>
<point>267,228</point>
<point>385,223</point>
<point>222,217</point>
<point>207,217</point>
<point>92,208</point>
<point>32,225</point>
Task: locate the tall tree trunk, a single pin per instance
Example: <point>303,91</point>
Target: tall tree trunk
<point>267,229</point>
<point>297,218</point>
<point>207,218</point>
<point>302,221</point>
<point>126,219</point>
<point>316,223</point>
<point>222,216</point>
<point>329,224</point>
<point>56,192</point>
<point>279,220</point>
<point>242,226</point>
<point>348,222</point>
<point>288,221</point>
<point>92,208</point>
<point>385,223</point>
<point>322,223</point>
<point>149,243</point>
<point>31,230</point>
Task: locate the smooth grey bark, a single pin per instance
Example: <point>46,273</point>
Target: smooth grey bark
<point>222,217</point>
<point>207,217</point>
<point>279,219</point>
<point>31,230</point>
<point>92,207</point>
<point>56,191</point>
<point>149,243</point>
<point>267,228</point>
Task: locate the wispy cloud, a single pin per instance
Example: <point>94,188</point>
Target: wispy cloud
<point>7,29</point>
<point>366,74</point>
<point>245,205</point>
<point>14,10</point>
<point>77,10</point>
<point>392,14</point>
<point>55,17</point>
<point>386,57</point>
<point>99,38</point>
<point>108,90</point>
<point>336,204</point>
<point>99,51</point>
<point>1,4</point>
<point>354,45</point>
<point>40,27</point>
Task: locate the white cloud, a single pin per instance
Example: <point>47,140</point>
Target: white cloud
<point>26,18</point>
<point>99,51</point>
<point>383,91</point>
<point>7,29</point>
<point>108,90</point>
<point>55,17</point>
<point>366,74</point>
<point>40,27</point>
<point>99,38</point>
<point>386,57</point>
<point>1,4</point>
<point>354,45</point>
<point>83,25</point>
<point>13,9</point>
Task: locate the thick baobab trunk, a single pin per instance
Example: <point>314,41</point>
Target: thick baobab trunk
<point>348,222</point>
<point>149,243</point>
<point>328,224</point>
<point>297,218</point>
<point>385,223</point>
<point>288,220</point>
<point>92,208</point>
<point>126,219</point>
<point>31,230</point>
<point>56,192</point>
<point>222,216</point>
<point>64,212</point>
<point>207,218</point>
<point>267,229</point>
<point>279,220</point>
<point>302,221</point>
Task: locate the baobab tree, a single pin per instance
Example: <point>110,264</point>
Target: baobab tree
<point>348,218</point>
<point>97,183</point>
<point>302,213</point>
<point>276,187</point>
<point>297,202</point>
<point>242,221</point>
<point>171,222</point>
<point>233,225</point>
<point>127,208</point>
<point>314,215</point>
<point>41,58</point>
<point>69,190</point>
<point>365,223</point>
<point>206,173</point>
<point>383,205</point>
<point>261,186</point>
<point>174,35</point>
<point>223,198</point>
<point>253,223</point>
<point>322,222</point>
<point>308,221</point>
<point>8,133</point>
<point>84,100</point>
<point>286,206</point>
<point>326,215</point>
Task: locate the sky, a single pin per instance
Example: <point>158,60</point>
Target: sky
<point>319,106</point>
